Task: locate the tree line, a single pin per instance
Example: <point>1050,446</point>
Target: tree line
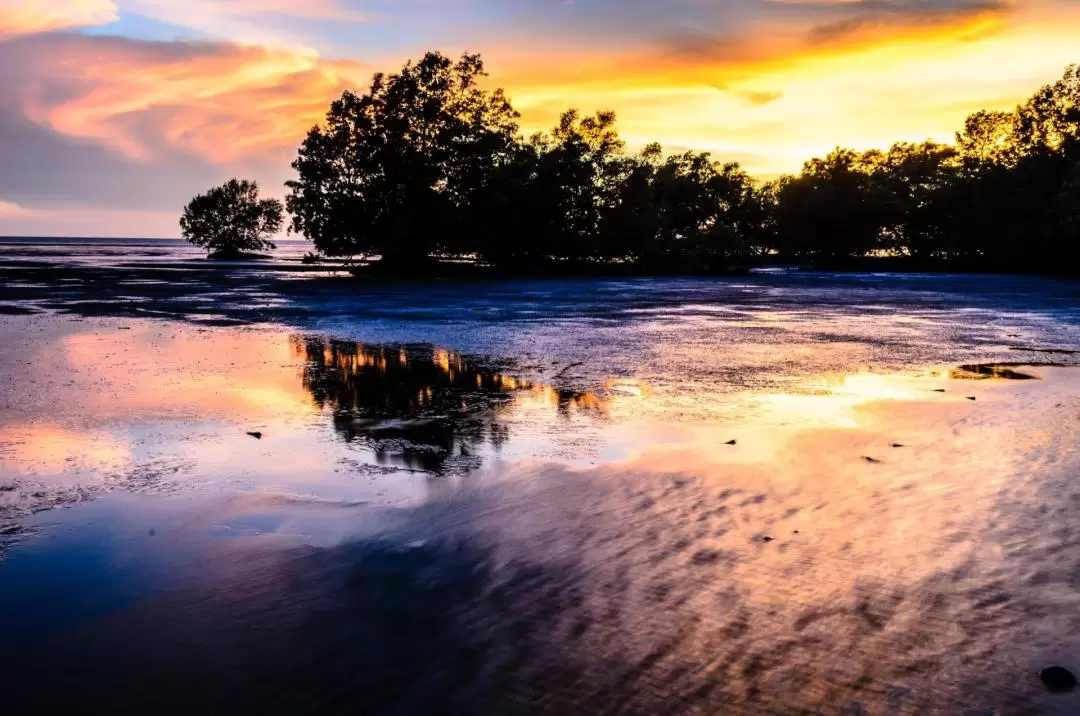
<point>428,167</point>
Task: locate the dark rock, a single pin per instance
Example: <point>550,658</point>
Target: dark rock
<point>971,397</point>
<point>256,434</point>
<point>1058,679</point>
<point>767,538</point>
<point>795,532</point>
<point>897,445</point>
<point>869,459</point>
<point>939,390</point>
<point>731,442</point>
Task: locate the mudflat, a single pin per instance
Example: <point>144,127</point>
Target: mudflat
<point>270,488</point>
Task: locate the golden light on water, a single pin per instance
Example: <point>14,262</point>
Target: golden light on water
<point>835,401</point>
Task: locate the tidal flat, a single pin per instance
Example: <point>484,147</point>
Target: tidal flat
<point>273,489</point>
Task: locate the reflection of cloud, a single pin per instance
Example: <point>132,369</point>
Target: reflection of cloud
<point>181,373</point>
<point>21,17</point>
<point>841,399</point>
<point>49,450</point>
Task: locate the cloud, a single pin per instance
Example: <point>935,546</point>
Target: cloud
<point>217,101</point>
<point>23,17</point>
<point>275,23</point>
<point>108,135</point>
<point>102,127</point>
<point>9,210</point>
<point>759,98</point>
<point>874,18</point>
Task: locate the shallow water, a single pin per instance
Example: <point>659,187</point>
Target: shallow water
<point>770,494</point>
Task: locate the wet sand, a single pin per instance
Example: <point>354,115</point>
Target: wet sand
<point>714,500</point>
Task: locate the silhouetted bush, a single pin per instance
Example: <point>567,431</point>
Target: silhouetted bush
<point>231,219</point>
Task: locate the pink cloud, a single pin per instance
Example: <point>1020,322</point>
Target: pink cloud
<point>24,17</point>
<point>219,101</point>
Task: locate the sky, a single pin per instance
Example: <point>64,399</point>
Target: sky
<point>113,113</point>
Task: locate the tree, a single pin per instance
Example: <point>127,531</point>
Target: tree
<point>686,212</point>
<point>837,209</point>
<point>231,219</point>
<point>428,166</point>
<point>916,175</point>
<point>397,172</point>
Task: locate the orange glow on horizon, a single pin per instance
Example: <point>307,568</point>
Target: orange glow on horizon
<point>769,93</point>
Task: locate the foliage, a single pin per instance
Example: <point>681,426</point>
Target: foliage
<point>231,219</point>
<point>428,165</point>
<point>395,172</point>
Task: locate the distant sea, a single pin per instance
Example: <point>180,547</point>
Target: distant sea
<point>96,251</point>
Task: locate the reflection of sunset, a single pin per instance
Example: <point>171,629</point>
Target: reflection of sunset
<point>50,450</point>
<point>840,398</point>
<point>375,375</point>
<point>148,371</point>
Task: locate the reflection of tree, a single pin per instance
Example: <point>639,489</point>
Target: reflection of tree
<point>423,407</point>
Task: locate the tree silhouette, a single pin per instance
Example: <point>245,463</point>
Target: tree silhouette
<point>231,219</point>
<point>395,172</point>
<point>428,166</point>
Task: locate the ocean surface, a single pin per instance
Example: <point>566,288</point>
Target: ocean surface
<point>274,488</point>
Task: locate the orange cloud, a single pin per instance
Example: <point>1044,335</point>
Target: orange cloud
<point>783,91</point>
<point>219,101</point>
<point>780,82</point>
<point>22,17</point>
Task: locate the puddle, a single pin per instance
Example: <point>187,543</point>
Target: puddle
<point>418,406</point>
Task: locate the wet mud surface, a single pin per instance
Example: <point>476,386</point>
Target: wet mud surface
<point>253,490</point>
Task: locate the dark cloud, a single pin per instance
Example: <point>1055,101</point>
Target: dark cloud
<point>872,15</point>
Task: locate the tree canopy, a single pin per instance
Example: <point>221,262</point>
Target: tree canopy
<point>231,219</point>
<point>430,165</point>
<point>394,172</point>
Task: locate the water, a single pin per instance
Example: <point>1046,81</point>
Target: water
<point>105,253</point>
<point>638,496</point>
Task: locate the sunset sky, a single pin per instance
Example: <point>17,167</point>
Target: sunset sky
<point>114,112</point>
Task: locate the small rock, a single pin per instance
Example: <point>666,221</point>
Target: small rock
<point>152,532</point>
<point>869,459</point>
<point>256,434</point>
<point>896,445</point>
<point>731,442</point>
<point>795,532</point>
<point>939,390</point>
<point>971,397</point>
<point>1058,679</point>
<point>767,538</point>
